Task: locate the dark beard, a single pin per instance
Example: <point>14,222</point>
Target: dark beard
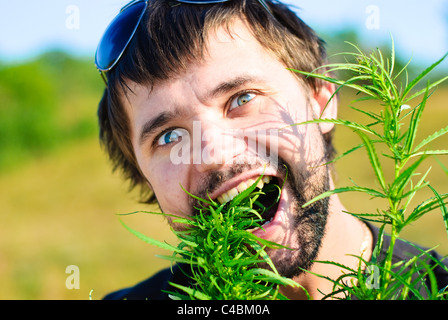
<point>309,222</point>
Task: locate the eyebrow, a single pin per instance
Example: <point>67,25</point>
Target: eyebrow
<point>231,85</point>
<point>153,125</point>
<point>165,117</point>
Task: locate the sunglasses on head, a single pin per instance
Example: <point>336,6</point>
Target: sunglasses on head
<point>121,30</point>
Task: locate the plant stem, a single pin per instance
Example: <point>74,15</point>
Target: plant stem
<point>388,262</point>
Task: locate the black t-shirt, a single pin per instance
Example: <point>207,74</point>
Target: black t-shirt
<point>155,287</point>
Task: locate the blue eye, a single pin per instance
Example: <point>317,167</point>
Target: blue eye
<point>171,136</point>
<point>241,100</point>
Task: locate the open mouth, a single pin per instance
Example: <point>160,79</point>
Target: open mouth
<point>265,202</point>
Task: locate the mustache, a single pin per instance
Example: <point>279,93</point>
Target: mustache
<point>215,179</point>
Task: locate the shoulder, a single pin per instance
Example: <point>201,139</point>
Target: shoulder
<point>152,288</point>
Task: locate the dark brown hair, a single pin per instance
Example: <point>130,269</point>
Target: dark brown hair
<point>171,36</point>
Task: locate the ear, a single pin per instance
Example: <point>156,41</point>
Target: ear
<point>324,108</point>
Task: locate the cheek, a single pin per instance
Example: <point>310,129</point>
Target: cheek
<point>302,146</point>
<point>299,143</point>
<point>165,180</point>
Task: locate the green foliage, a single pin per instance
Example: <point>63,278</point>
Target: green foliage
<point>46,103</point>
<point>222,254</point>
<point>393,127</point>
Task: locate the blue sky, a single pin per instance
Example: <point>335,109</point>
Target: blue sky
<point>419,27</point>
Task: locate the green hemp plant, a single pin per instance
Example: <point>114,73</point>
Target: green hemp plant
<point>221,254</point>
<point>392,126</point>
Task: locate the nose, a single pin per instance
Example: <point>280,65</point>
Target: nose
<point>215,146</point>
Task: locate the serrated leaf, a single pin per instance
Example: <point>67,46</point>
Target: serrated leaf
<point>413,125</point>
<point>193,293</point>
<point>151,241</point>
<point>371,152</point>
<point>345,153</point>
<point>402,180</point>
<point>430,152</point>
<point>368,191</point>
<point>371,217</point>
<point>345,123</point>
<point>432,137</point>
<point>349,83</point>
<point>175,259</point>
<point>411,193</point>
<point>209,202</point>
<point>404,69</point>
<point>367,113</point>
<point>426,206</point>
<point>392,58</point>
<point>442,207</point>
<point>419,77</point>
<point>419,93</point>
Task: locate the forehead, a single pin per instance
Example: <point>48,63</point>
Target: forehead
<point>227,50</point>
<point>236,34</point>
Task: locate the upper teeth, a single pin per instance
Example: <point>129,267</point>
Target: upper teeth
<point>232,193</point>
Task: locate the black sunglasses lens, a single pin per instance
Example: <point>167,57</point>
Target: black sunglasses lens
<point>118,35</point>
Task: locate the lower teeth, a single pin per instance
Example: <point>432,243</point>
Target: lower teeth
<point>268,222</point>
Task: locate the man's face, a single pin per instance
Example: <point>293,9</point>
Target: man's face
<point>237,97</point>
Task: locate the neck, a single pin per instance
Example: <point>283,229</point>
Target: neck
<point>345,237</point>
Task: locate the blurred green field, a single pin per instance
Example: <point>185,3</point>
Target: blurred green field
<point>59,203</point>
<point>60,211</point>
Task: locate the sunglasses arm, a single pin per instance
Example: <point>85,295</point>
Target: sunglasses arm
<point>103,76</point>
